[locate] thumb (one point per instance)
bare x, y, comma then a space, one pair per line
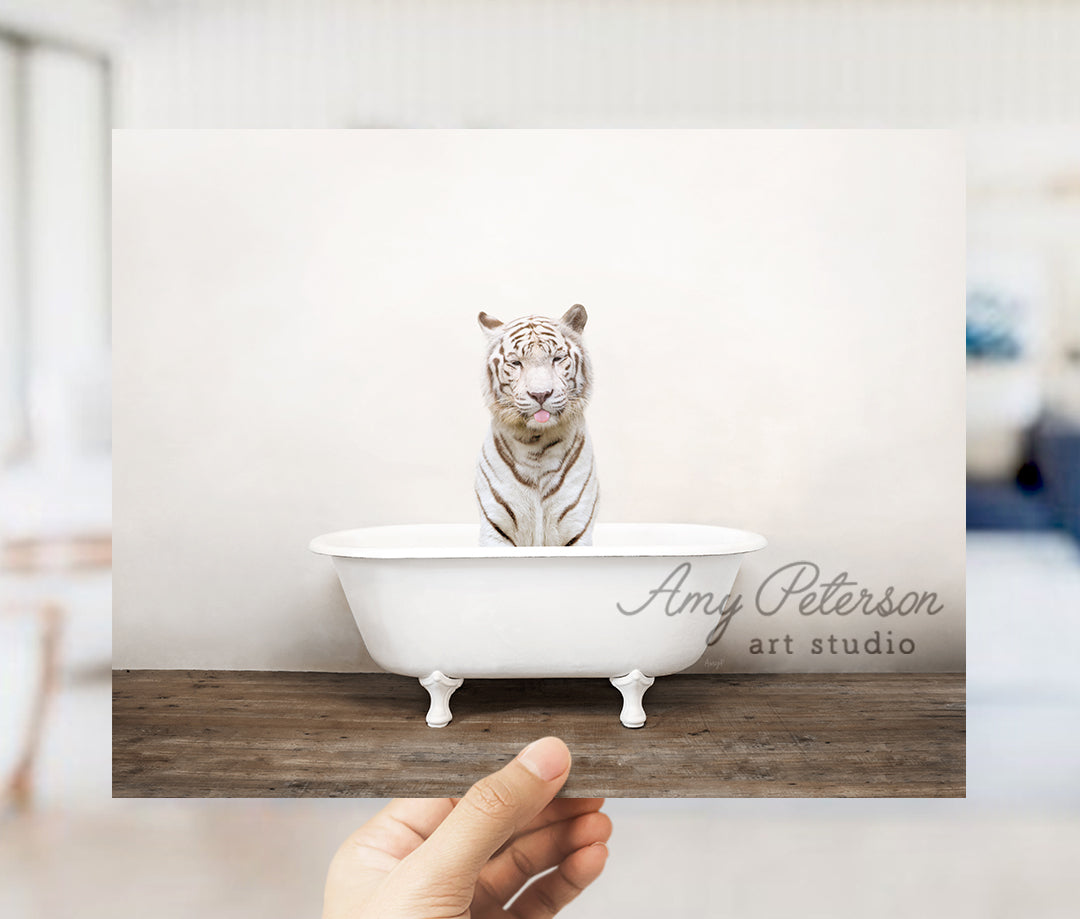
492, 811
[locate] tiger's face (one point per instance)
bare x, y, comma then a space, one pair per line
537, 369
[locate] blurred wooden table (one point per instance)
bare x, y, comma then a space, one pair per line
280, 734
36, 560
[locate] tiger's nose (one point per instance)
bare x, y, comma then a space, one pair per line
540, 396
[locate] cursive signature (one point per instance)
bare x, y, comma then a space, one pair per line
679, 602
799, 580
831, 597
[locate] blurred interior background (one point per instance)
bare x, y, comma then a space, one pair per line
1023, 458
69, 70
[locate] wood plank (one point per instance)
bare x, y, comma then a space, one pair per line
280, 734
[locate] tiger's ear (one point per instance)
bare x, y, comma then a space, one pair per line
489, 323
575, 318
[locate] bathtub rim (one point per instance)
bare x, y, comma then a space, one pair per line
729, 541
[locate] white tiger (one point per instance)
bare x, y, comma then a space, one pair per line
536, 477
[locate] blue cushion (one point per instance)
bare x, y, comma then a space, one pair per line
1057, 451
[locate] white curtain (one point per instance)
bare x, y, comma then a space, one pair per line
54, 316
11, 422
66, 194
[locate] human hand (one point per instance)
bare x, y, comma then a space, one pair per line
437, 858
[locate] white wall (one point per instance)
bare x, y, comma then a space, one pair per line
593, 63
775, 322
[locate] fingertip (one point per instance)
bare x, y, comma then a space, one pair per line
605, 827
547, 758
594, 826
586, 864
596, 856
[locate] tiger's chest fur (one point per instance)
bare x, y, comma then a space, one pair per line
536, 478
537, 489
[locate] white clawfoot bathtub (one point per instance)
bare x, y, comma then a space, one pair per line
641, 602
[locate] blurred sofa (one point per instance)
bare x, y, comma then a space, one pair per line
1045, 491
1056, 453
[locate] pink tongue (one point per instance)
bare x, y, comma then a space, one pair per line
541, 416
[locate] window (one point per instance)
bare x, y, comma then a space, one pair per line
54, 285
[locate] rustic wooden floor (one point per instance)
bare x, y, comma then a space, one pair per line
246, 734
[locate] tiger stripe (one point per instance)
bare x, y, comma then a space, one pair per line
575, 453
494, 525
506, 455
495, 494
583, 530
577, 500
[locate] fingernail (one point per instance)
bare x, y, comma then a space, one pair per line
546, 758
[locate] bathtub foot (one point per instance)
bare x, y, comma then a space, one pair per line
440, 687
632, 686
